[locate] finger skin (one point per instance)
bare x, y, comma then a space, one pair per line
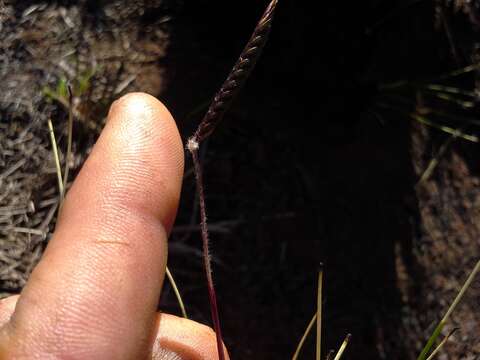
175, 338
95, 292
7, 306
186, 338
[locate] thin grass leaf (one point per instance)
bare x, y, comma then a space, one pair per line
441, 324
445, 339
456, 118
446, 129
462, 103
304, 337
55, 156
319, 312
460, 71
330, 355
343, 347
436, 159
402, 83
450, 90
83, 81
69, 143
409, 102
177, 293
61, 89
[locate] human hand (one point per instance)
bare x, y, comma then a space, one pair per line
95, 292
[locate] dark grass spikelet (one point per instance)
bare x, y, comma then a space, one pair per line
237, 77
219, 106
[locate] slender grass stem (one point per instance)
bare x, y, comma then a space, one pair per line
462, 103
304, 337
56, 157
319, 313
443, 114
220, 104
192, 146
403, 83
444, 340
423, 120
441, 324
456, 118
446, 129
435, 160
330, 355
461, 71
342, 347
177, 293
69, 142
450, 90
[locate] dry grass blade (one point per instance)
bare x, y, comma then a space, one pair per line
460, 71
304, 337
446, 129
239, 74
437, 349
219, 106
435, 160
450, 90
330, 355
69, 141
342, 347
15, 167
449, 75
55, 156
319, 312
177, 293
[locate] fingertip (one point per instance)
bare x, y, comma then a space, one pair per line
139, 112
140, 147
132, 103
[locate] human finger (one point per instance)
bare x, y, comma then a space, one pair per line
95, 291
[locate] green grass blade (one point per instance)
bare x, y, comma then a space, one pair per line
446, 129
462, 103
431, 341
441, 324
460, 71
435, 160
450, 89
437, 349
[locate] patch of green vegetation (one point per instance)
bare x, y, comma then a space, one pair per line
80, 85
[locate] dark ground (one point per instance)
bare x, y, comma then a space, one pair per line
316, 161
